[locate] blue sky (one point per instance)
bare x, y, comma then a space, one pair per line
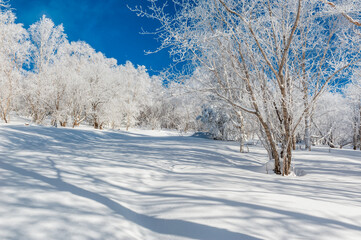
107, 25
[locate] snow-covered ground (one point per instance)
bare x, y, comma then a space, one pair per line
58, 183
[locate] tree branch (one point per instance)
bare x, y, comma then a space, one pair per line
348, 17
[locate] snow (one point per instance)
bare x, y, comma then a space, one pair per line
62, 183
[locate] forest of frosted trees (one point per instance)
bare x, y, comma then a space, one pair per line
288, 77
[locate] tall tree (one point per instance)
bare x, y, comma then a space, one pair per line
135, 86
14, 53
47, 39
253, 51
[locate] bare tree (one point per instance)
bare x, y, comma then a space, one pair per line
270, 59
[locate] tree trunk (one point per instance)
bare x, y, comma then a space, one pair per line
241, 144
243, 135
289, 156
307, 132
287, 137
355, 135
96, 125
54, 122
272, 145
4, 117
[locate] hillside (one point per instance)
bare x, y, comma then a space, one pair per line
60, 183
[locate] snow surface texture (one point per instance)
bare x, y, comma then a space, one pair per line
87, 184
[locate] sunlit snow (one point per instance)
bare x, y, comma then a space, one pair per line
62, 183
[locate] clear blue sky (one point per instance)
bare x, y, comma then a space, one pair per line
107, 25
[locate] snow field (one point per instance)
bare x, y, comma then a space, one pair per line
60, 183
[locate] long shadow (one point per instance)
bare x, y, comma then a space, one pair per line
67, 139
91, 139
315, 219
164, 226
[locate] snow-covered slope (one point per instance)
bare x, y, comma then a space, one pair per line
87, 184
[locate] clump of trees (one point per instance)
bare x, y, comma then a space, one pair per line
53, 81
44, 76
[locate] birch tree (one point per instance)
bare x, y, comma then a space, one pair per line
261, 55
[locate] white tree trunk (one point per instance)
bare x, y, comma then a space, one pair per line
307, 132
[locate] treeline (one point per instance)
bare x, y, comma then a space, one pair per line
52, 80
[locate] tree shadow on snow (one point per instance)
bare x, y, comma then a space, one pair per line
122, 149
164, 226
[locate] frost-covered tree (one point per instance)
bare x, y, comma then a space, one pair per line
220, 122
262, 55
353, 93
14, 53
184, 106
76, 64
171, 105
153, 110
63, 78
39, 86
98, 76
133, 94
332, 121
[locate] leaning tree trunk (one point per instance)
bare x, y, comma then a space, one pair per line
272, 145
